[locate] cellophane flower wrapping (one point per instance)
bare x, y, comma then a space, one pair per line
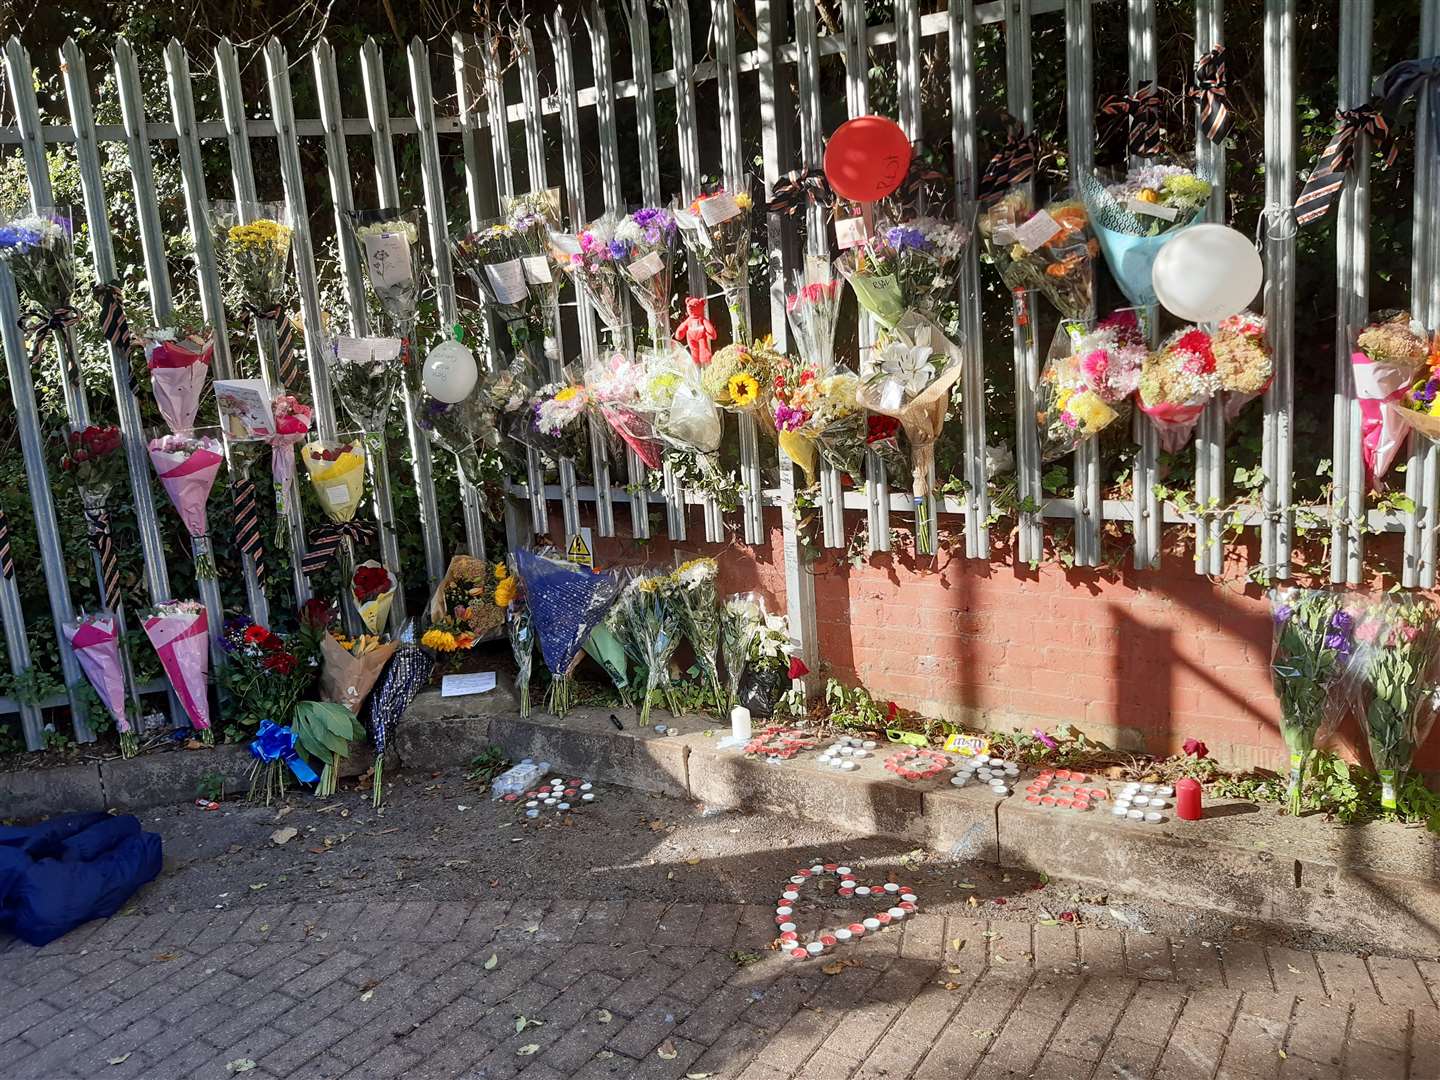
715, 229
372, 591
522, 646
649, 623
1243, 359
1087, 377
741, 620
95, 640
1419, 408
595, 257
94, 461
1396, 682
388, 238
812, 307
1310, 656
738, 376
699, 601
686, 420
178, 354
906, 266
1052, 250
1176, 383
252, 242
648, 236
469, 604
910, 379
350, 671
337, 474
186, 466
409, 672
817, 415
613, 386
365, 374
494, 258
1135, 215
179, 632
566, 603
560, 409
466, 429
293, 420
37, 248
536, 216
1386, 358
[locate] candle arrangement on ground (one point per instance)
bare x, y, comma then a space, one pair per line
846, 753
995, 771
893, 902
916, 763
558, 794
777, 742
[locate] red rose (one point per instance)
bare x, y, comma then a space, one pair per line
370, 581
879, 428
1197, 748
272, 642
798, 670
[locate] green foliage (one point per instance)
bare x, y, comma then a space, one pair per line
210, 786
852, 708
488, 764
1346, 792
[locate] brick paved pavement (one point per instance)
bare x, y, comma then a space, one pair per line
379, 989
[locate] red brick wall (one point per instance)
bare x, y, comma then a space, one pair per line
1140, 660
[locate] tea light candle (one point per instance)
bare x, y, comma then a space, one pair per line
532, 813
843, 934
784, 909
871, 924
960, 779
1120, 810
589, 796
896, 913
869, 744
1135, 815
586, 786
1165, 790
814, 948
799, 953
1154, 816
740, 726
857, 929
844, 871
563, 806
849, 766
1149, 789
909, 897
999, 789
787, 927
798, 879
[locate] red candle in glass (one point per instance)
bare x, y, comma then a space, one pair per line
1187, 800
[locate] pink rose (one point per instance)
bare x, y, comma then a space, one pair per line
1367, 631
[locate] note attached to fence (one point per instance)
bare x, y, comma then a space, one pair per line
719, 208
646, 267
537, 269
1037, 231
507, 281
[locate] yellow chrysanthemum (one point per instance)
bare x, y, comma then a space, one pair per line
1091, 411
262, 233
743, 200
505, 592
743, 389
439, 640
501, 571
567, 393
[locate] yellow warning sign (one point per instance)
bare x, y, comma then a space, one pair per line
579, 550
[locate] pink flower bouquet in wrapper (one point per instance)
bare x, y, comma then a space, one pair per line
1242, 357
95, 640
1088, 375
1387, 356
179, 631
292, 427
614, 391
187, 466
1177, 382
178, 356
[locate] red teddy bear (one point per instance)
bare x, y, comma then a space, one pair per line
696, 331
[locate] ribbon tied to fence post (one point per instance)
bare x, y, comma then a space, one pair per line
102, 542
289, 371
325, 542
247, 521
799, 187
7, 557
1144, 109
1013, 163
41, 324
1211, 88
114, 326
1327, 176
1406, 80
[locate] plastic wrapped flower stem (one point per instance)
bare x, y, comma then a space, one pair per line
522, 646
648, 236
699, 602
715, 229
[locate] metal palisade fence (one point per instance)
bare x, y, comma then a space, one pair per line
739, 107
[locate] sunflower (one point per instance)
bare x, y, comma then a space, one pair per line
439, 640
501, 571
743, 389
505, 592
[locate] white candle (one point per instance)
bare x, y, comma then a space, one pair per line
740, 724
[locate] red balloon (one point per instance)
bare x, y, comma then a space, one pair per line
867, 158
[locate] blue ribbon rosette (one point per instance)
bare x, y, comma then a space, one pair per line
274, 742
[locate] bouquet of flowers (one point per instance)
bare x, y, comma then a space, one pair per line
1051, 250
364, 375
812, 308
372, 590
179, 632
566, 603
178, 355
1134, 216
1419, 408
535, 217
493, 258
389, 243
741, 620
465, 428
522, 643
275, 749
1085, 381
1314, 639
410, 669
253, 245
685, 419
647, 619
648, 238
350, 669
613, 389
911, 380
1398, 683
699, 604
738, 374
560, 407
95, 640
267, 674
904, 267
1385, 359
186, 466
820, 414
337, 474
469, 604
38, 251
1242, 357
94, 461
594, 260
770, 665
1176, 383
716, 232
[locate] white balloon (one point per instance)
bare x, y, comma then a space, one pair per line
450, 372
1207, 273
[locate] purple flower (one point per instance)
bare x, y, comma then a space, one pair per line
901, 237
1342, 621
1044, 738
1341, 643
616, 249
1283, 613
788, 418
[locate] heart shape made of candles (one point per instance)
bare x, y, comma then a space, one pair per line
897, 902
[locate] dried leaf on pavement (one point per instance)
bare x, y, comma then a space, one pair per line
667, 1050
285, 835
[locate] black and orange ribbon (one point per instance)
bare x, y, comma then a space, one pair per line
114, 326
1144, 110
41, 324
1327, 176
1409, 79
918, 179
1012, 164
7, 557
1210, 88
798, 189
97, 531
325, 542
286, 361
247, 522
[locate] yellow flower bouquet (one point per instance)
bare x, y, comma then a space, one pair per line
337, 473
372, 590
